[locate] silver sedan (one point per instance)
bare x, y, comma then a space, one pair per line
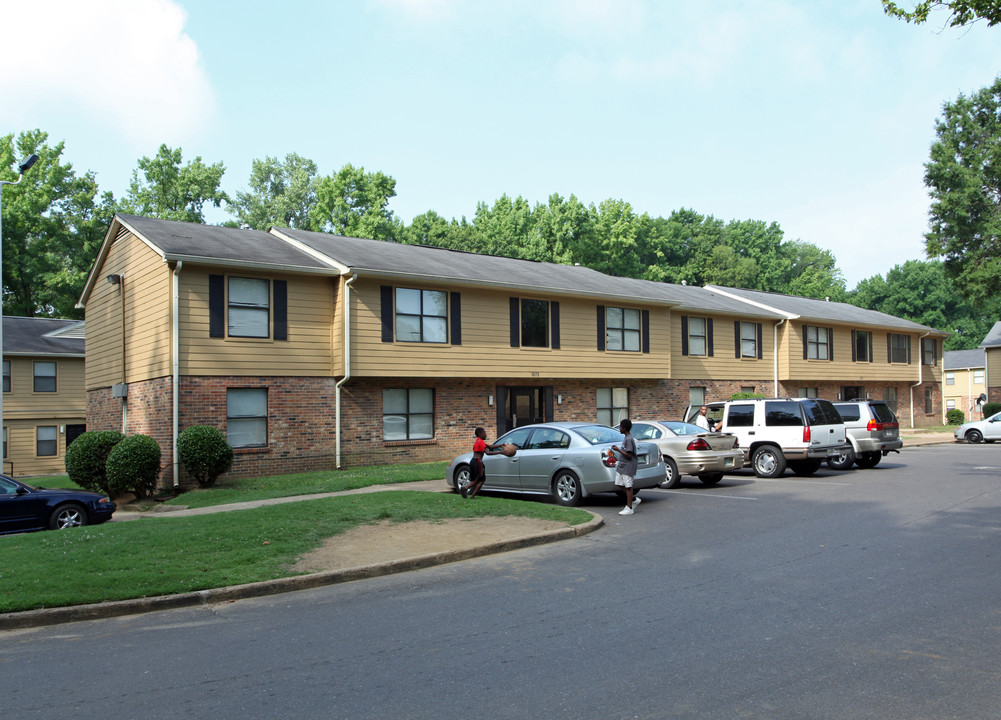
691, 450
567, 461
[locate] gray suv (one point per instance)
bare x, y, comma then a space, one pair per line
872, 430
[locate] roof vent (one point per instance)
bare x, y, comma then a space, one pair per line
684, 282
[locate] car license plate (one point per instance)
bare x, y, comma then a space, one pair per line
727, 462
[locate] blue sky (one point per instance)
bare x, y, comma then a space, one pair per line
815, 114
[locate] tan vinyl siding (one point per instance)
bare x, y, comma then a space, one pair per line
307, 352
23, 401
486, 349
842, 367
22, 447
993, 367
722, 365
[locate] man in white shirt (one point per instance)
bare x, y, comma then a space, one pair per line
702, 421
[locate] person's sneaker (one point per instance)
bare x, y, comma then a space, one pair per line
464, 489
626, 511
636, 501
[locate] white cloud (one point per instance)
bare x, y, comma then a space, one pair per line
127, 64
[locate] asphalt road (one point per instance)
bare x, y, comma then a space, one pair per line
868, 594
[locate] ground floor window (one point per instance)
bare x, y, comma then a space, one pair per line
46, 440
697, 396
613, 405
950, 404
408, 414
808, 392
247, 417
929, 400
747, 389
890, 396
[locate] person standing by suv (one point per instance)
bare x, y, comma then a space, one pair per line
625, 468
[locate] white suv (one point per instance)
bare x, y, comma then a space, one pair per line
775, 433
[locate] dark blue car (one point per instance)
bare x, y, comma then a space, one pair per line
24, 508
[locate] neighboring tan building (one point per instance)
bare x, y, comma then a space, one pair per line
965, 381
44, 400
992, 361
311, 350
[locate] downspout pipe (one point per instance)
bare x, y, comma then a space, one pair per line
775, 352
920, 372
347, 365
175, 370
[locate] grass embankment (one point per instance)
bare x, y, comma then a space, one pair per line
166, 555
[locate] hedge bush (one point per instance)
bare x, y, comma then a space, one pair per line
746, 396
954, 417
204, 453
86, 458
134, 466
991, 408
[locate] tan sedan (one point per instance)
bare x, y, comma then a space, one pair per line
690, 450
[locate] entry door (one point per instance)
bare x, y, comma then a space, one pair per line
518, 406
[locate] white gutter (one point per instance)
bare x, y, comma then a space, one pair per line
775, 352
175, 370
347, 365
921, 362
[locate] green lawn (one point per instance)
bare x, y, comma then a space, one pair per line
165, 555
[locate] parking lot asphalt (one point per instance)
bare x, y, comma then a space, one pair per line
394, 556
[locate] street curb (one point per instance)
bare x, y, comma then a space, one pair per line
95, 611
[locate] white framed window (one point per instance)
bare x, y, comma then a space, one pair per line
421, 315
748, 340
950, 378
929, 400
247, 417
46, 440
950, 404
861, 346
613, 405
697, 396
900, 348
978, 377
890, 396
407, 414
622, 329
534, 323
45, 377
697, 336
249, 307
929, 351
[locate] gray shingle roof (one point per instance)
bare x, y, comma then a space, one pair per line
961, 359
993, 338
40, 336
825, 311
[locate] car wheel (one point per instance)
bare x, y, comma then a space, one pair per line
461, 476
974, 436
711, 478
672, 477
805, 467
66, 516
868, 460
844, 461
768, 461
566, 489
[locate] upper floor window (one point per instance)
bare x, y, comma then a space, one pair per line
929, 351
817, 343
6, 376
898, 348
535, 323
408, 414
696, 336
242, 307
861, 346
950, 378
421, 316
622, 329
747, 339
978, 377
247, 417
45, 377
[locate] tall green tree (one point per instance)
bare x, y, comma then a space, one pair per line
356, 203
961, 12
53, 225
963, 176
282, 194
163, 188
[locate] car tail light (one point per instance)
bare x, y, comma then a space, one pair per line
806, 434
874, 426
699, 444
609, 459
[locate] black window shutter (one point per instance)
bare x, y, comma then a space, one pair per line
760, 338
806, 332
709, 337
684, 334
830, 344
217, 306
455, 317
645, 321
870, 346
515, 322
854, 350
554, 325
387, 313
736, 338
908, 349
889, 347
601, 327
281, 309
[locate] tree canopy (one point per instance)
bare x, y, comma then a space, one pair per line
281, 194
963, 176
961, 12
162, 188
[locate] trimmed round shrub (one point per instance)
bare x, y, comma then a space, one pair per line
86, 458
954, 417
991, 408
134, 466
204, 453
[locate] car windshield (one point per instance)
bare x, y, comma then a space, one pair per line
599, 434
681, 428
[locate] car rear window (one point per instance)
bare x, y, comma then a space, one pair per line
883, 413
821, 412
783, 413
599, 434
848, 413
739, 416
